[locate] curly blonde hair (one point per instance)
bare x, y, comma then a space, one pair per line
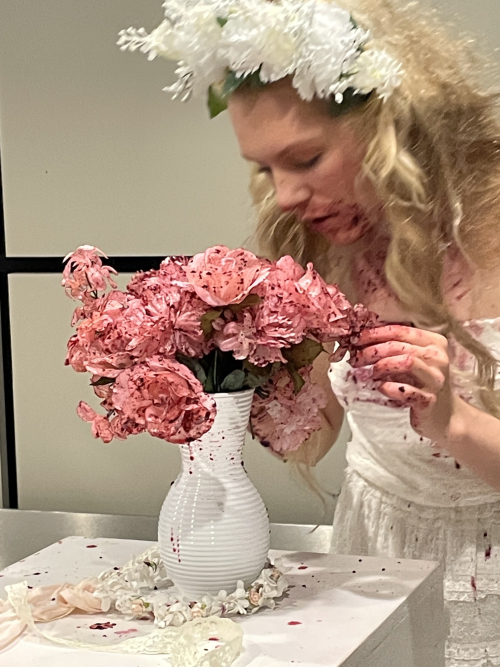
434, 159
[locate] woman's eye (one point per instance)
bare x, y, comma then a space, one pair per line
309, 164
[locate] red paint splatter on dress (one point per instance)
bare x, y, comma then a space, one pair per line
92, 546
302, 567
294, 623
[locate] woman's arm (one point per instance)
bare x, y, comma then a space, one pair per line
320, 443
413, 369
473, 439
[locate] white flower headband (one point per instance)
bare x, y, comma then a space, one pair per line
220, 44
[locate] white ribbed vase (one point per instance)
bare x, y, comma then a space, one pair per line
214, 527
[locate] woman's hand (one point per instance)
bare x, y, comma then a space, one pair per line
412, 367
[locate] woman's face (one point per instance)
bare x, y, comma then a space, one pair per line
313, 160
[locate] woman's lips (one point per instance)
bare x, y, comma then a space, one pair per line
343, 228
323, 223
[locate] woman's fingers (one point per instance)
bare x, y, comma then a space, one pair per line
411, 370
403, 334
408, 396
373, 353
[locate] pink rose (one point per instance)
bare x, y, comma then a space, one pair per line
222, 277
255, 596
163, 395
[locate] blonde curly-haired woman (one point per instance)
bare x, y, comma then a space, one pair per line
399, 202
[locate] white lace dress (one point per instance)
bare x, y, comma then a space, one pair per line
403, 498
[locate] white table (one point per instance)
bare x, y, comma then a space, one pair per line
343, 611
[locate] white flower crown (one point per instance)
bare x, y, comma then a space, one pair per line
220, 44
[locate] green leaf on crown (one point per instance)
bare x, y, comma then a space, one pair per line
216, 103
222, 21
351, 100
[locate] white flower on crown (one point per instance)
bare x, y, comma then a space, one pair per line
263, 39
330, 49
376, 70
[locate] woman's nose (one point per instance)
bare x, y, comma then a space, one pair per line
291, 193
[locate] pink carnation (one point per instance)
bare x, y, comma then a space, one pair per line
101, 427
280, 317
284, 420
172, 303
115, 333
222, 277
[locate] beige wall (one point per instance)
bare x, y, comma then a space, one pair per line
94, 152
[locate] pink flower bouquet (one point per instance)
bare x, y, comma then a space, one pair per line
221, 321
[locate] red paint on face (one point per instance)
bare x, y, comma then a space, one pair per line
314, 161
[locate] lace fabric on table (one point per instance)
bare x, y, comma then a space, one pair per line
184, 645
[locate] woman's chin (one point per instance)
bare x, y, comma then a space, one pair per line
344, 237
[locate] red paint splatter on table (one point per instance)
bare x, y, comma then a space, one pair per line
103, 626
92, 546
122, 633
213, 639
294, 623
302, 567
487, 553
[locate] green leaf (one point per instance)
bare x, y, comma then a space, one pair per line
222, 21
234, 381
254, 381
249, 301
194, 366
304, 353
298, 380
102, 381
231, 83
216, 103
207, 321
268, 370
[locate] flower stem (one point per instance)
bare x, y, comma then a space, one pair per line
216, 379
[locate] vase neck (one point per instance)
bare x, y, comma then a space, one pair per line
223, 444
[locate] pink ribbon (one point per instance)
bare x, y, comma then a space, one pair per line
49, 603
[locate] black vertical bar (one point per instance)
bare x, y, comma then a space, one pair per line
7, 430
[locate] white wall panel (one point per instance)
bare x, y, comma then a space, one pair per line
93, 151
